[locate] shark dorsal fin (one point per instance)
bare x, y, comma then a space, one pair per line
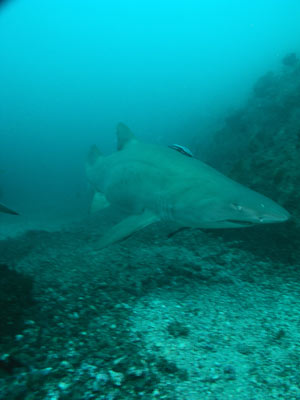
124, 135
93, 155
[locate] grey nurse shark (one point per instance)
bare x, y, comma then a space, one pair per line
153, 183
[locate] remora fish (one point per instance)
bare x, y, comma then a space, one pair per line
153, 183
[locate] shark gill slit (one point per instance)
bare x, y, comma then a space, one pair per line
165, 210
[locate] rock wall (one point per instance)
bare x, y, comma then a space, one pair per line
259, 144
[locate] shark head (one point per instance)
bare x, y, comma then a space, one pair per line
231, 208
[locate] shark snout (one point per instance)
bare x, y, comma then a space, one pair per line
266, 213
275, 217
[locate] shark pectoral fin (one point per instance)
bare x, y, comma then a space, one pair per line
99, 202
7, 210
126, 228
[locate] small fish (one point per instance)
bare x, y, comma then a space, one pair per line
7, 210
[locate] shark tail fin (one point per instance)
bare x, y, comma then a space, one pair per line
124, 135
93, 155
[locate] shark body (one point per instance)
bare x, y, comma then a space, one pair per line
153, 183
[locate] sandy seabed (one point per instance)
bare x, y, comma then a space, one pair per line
199, 315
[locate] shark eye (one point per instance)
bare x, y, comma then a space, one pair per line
237, 207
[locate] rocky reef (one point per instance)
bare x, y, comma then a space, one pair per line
15, 299
259, 144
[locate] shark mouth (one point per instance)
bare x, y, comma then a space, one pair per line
241, 223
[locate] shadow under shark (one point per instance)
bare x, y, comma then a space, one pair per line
153, 183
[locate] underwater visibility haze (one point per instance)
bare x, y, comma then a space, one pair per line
131, 134
70, 71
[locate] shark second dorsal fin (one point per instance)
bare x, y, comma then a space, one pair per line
124, 135
99, 202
